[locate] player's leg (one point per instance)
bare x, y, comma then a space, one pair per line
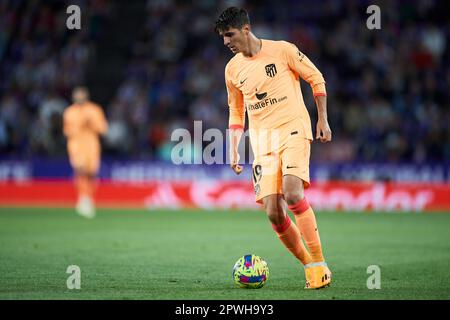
85, 166
84, 184
286, 231
304, 215
90, 173
267, 184
295, 164
81, 185
317, 272
295, 167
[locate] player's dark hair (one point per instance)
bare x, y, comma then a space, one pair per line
232, 18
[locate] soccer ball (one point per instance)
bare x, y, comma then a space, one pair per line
251, 271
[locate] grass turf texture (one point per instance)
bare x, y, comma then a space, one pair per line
189, 254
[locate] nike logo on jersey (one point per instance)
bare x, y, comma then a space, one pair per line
291, 167
242, 81
261, 96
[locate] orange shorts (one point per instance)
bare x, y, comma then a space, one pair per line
269, 169
84, 159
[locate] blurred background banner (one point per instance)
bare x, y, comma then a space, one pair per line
156, 66
228, 194
144, 171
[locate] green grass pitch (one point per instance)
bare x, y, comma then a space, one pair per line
189, 254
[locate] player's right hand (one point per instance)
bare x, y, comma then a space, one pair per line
236, 168
234, 161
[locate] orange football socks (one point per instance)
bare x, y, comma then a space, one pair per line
306, 222
85, 186
290, 236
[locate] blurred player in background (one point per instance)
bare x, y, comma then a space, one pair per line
262, 79
84, 122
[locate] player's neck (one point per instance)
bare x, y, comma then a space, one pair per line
254, 46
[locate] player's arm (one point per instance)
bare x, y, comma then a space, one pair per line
103, 123
67, 127
236, 121
323, 130
100, 124
301, 65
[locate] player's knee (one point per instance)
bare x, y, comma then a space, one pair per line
275, 213
276, 217
293, 197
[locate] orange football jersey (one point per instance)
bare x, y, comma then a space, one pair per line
82, 127
267, 87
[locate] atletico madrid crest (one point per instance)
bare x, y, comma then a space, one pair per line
271, 70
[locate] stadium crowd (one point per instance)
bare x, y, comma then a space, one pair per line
388, 89
41, 61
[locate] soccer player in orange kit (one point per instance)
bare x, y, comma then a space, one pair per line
262, 79
84, 122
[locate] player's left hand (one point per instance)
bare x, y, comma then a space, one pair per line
323, 131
